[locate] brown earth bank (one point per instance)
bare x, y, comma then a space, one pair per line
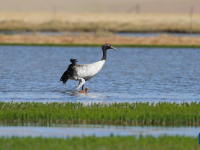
93, 39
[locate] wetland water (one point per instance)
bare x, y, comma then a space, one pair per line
97, 130
32, 73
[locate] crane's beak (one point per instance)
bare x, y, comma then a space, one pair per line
113, 48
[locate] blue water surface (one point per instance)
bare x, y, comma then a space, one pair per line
32, 73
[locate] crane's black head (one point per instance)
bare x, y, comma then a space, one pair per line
105, 47
108, 46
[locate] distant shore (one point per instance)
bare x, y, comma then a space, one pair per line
87, 39
93, 22
99, 28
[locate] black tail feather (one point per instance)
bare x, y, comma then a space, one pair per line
69, 72
65, 77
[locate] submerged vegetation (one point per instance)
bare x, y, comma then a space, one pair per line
99, 143
113, 114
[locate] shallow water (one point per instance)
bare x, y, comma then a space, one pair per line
32, 73
97, 130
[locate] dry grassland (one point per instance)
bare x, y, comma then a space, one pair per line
99, 23
121, 22
99, 39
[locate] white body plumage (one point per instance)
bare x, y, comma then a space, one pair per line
87, 71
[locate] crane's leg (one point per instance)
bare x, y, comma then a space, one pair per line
81, 83
83, 87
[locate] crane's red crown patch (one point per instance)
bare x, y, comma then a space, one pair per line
108, 44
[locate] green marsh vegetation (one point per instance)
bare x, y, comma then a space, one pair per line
100, 143
112, 114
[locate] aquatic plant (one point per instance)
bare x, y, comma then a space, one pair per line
116, 114
99, 143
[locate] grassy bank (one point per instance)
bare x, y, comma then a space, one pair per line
101, 143
113, 114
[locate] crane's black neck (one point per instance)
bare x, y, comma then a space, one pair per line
104, 53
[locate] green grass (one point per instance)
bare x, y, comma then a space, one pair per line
101, 143
112, 114
99, 45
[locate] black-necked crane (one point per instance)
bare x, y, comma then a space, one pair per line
84, 72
